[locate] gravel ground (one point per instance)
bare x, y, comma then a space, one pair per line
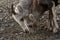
10, 30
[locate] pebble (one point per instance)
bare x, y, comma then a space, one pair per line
1, 19
0, 10
21, 33
6, 25
1, 38
5, 20
12, 24
2, 28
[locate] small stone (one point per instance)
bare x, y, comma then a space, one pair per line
12, 24
54, 30
10, 17
0, 10
6, 24
1, 38
16, 34
5, 17
42, 16
21, 33
2, 28
5, 20
1, 19
59, 6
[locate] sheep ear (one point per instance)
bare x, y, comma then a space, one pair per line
31, 17
18, 9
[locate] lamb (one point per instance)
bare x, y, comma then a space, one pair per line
22, 12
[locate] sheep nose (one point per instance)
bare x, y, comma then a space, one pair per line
26, 31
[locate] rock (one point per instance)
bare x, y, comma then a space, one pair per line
2, 28
1, 38
1, 10
1, 19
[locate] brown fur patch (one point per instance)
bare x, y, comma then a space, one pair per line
34, 4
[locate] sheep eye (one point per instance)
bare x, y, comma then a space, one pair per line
21, 19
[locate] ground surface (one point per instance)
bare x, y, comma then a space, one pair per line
10, 30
